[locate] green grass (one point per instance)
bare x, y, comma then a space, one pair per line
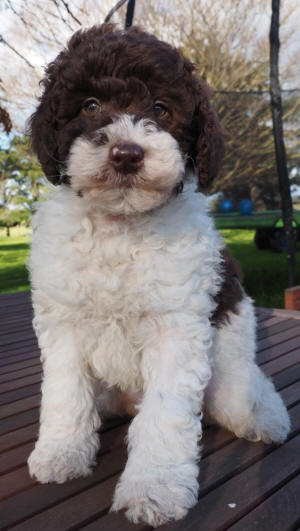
13, 256
264, 271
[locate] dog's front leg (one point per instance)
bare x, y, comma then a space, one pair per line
68, 440
160, 479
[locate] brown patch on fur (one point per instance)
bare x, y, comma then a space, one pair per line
129, 401
231, 292
127, 71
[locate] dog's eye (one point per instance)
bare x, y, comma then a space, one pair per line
91, 106
160, 110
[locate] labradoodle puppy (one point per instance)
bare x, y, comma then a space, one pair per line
138, 305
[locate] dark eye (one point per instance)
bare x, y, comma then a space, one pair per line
160, 110
91, 106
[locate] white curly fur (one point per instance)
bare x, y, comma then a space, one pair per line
125, 302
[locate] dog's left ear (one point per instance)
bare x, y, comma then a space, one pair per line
209, 142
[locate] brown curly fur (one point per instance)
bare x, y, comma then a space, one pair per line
129, 71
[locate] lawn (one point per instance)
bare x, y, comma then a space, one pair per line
13, 255
264, 271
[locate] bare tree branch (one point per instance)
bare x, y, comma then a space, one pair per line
256, 92
113, 10
61, 15
16, 13
15, 51
70, 12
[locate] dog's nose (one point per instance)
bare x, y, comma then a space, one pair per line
126, 158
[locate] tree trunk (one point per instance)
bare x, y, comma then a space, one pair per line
7, 230
284, 185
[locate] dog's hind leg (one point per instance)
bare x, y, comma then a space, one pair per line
239, 396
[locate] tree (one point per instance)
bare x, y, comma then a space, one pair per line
21, 183
230, 47
10, 218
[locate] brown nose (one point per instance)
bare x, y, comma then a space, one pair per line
126, 158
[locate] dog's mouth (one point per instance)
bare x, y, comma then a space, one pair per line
108, 177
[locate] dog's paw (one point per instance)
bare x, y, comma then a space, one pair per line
269, 421
152, 501
58, 461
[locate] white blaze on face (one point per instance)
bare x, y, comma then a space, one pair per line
92, 175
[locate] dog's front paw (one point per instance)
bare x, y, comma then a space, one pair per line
153, 501
59, 461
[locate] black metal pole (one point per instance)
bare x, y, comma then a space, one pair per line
276, 106
129, 13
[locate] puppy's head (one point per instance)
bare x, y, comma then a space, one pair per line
121, 118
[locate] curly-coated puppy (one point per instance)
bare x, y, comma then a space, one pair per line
133, 291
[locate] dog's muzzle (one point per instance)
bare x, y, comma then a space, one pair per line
126, 158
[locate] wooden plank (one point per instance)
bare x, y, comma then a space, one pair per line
23, 295
285, 314
281, 337
214, 438
281, 363
62, 513
33, 500
15, 482
15, 438
269, 322
279, 512
19, 421
114, 522
237, 456
278, 350
7, 339
17, 457
291, 394
9, 308
14, 299
245, 491
74, 511
20, 436
224, 455
19, 365
12, 319
16, 326
31, 354
17, 395
13, 408
13, 385
14, 459
16, 375
287, 377
270, 330
17, 347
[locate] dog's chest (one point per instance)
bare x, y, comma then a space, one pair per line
113, 270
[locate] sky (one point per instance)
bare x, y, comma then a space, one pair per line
24, 82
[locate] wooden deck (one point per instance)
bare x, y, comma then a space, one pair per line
244, 486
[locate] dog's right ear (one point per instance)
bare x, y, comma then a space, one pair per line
41, 129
